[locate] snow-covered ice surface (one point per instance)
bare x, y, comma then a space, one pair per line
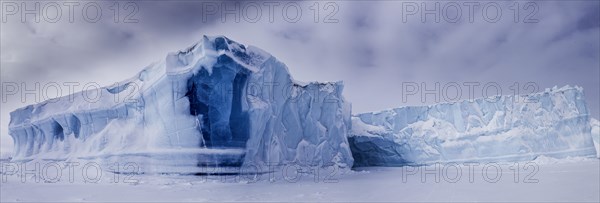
544, 180
554, 123
217, 102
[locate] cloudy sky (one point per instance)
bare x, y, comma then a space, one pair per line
374, 47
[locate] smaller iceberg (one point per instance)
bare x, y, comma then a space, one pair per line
553, 123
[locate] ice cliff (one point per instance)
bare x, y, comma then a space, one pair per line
220, 103
217, 102
553, 123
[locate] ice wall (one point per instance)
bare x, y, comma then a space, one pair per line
217, 102
553, 123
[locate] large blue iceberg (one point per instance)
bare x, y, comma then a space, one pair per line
216, 103
221, 104
554, 123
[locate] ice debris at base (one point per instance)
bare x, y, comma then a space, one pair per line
215, 103
553, 123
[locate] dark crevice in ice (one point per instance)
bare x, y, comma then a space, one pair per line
74, 124
239, 120
197, 94
57, 130
216, 100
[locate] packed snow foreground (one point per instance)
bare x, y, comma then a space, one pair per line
220, 103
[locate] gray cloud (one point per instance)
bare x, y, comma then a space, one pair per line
370, 48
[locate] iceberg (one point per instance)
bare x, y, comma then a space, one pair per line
216, 103
222, 104
554, 123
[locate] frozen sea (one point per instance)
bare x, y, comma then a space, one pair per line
545, 179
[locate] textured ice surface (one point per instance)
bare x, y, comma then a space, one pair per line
217, 102
553, 123
596, 135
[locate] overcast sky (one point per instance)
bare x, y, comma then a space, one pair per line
374, 47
